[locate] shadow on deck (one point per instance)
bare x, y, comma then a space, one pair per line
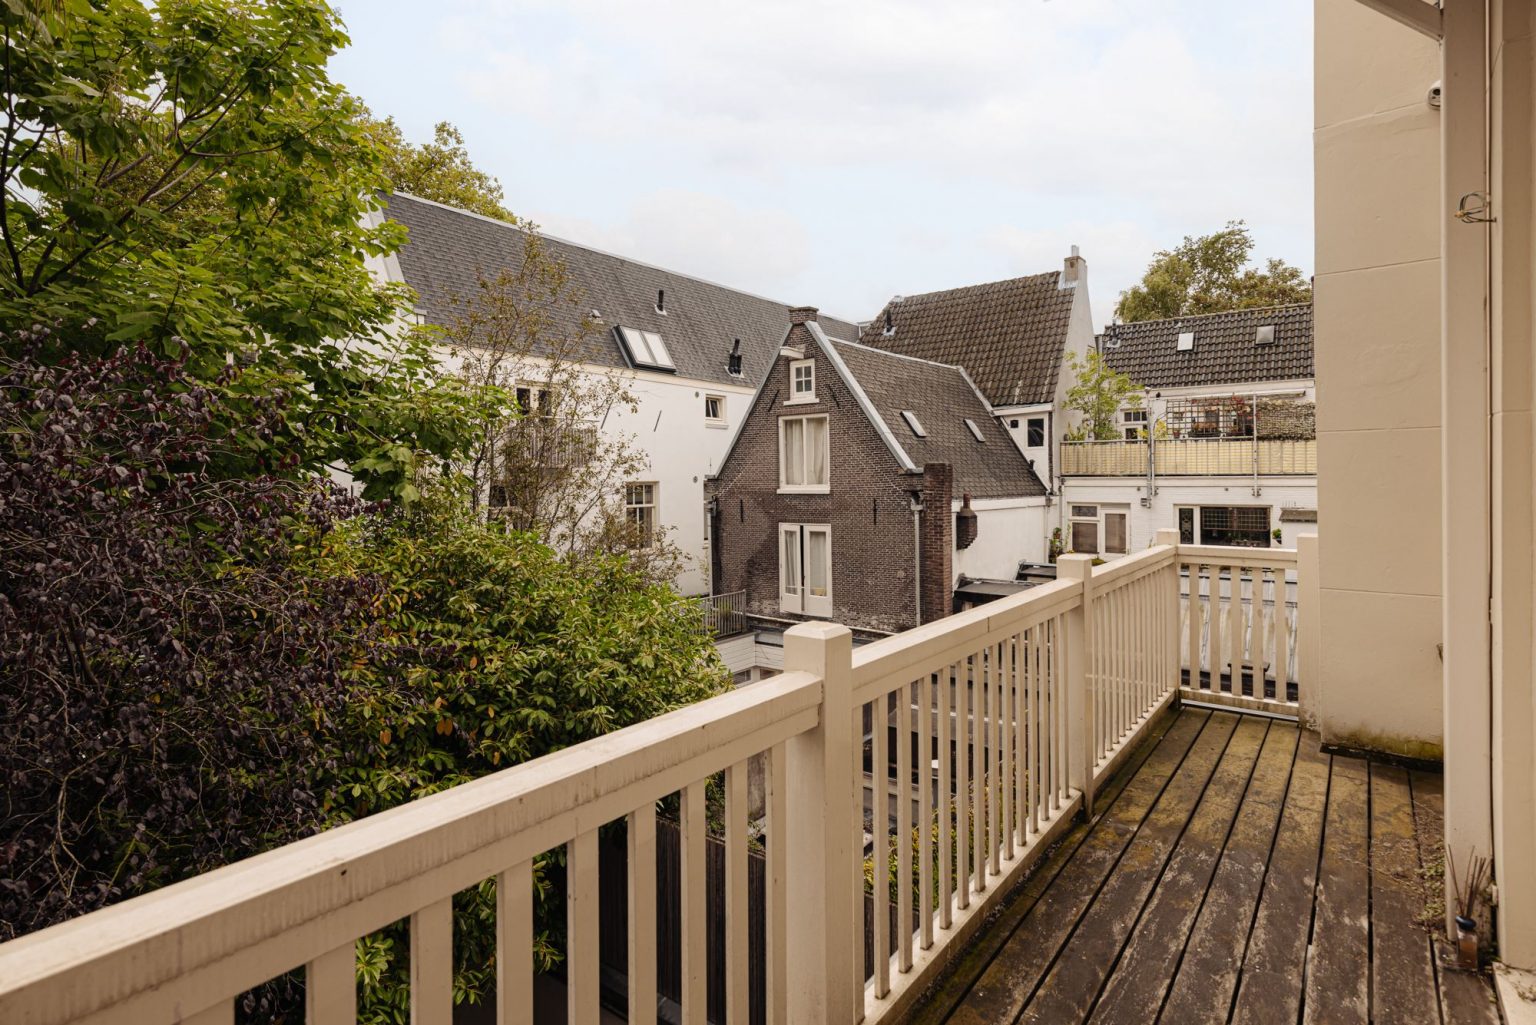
1232, 872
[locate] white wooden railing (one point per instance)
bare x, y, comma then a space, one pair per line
1024, 705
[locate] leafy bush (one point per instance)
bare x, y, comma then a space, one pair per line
170, 677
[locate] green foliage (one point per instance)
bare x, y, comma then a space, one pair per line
188, 171
1208, 274
1098, 393
440, 170
496, 650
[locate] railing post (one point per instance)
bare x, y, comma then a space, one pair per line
1309, 620
1081, 727
1170, 536
825, 955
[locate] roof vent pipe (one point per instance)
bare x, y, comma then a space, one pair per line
733, 362
890, 328
661, 300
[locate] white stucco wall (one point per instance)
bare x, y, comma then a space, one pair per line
1127, 492
1008, 531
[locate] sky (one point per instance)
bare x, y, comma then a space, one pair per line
837, 153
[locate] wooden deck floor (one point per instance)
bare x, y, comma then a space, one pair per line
1232, 872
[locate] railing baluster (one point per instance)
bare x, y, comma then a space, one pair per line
432, 964
1217, 618
642, 912
694, 909
946, 811
1282, 639
514, 944
962, 786
1235, 629
737, 956
583, 976
776, 887
1008, 705
979, 775
1036, 733
925, 852
997, 785
880, 826
330, 987
904, 828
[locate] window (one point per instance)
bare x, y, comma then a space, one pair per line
1115, 533
802, 380
803, 454
805, 568
640, 510
1085, 529
913, 423
1265, 335
645, 349
1186, 341
1243, 525
1186, 525
714, 410
1036, 431
975, 431
1134, 422
533, 399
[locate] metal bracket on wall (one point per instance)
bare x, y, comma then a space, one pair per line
1475, 208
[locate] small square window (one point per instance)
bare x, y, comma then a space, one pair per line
913, 423
714, 408
802, 380
975, 431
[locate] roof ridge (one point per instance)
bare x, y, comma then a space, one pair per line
1202, 316
978, 285
600, 252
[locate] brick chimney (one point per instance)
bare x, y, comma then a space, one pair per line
1073, 269
937, 550
802, 314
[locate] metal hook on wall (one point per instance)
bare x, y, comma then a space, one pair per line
1475, 208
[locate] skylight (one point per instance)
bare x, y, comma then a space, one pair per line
975, 431
1265, 335
914, 423
645, 349
1186, 341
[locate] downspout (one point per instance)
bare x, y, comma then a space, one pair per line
917, 554
1253, 429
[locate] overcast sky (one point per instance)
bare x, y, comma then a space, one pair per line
838, 152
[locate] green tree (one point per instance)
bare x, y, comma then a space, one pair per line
440, 170
1098, 393
1208, 274
187, 171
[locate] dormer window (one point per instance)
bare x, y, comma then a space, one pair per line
645, 349
975, 431
802, 380
1186, 341
914, 424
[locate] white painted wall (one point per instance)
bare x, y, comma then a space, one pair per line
1277, 493
1008, 531
1039, 455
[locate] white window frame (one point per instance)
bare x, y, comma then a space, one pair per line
719, 419
1125, 534
654, 505
1134, 421
794, 591
1074, 517
785, 487
797, 395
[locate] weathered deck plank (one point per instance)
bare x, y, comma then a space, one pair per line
1270, 980
1402, 973
1206, 919
1198, 808
1338, 967
1004, 989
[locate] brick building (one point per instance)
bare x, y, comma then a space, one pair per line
862, 484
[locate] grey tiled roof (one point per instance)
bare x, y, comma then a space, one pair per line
1224, 352
942, 397
1008, 335
449, 250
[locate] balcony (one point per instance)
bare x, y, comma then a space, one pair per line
984, 740
1191, 457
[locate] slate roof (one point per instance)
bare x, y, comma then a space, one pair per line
942, 397
1008, 335
1224, 352
448, 251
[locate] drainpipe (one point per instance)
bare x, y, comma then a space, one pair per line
1253, 429
917, 553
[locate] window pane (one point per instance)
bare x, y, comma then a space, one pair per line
1114, 533
1186, 526
791, 561
1086, 511
817, 563
794, 452
1085, 538
816, 455
1036, 433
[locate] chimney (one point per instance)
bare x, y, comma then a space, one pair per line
936, 548
1073, 269
802, 314
965, 523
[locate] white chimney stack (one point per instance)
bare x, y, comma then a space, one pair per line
1073, 269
